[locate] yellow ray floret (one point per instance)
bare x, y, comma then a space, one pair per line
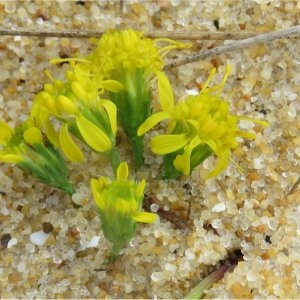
68, 146
92, 134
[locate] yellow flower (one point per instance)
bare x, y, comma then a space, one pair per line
132, 60
77, 107
198, 126
119, 204
25, 147
130, 50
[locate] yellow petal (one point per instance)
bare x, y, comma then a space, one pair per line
96, 190
93, 135
33, 135
112, 85
210, 77
66, 105
144, 217
246, 135
5, 133
221, 165
152, 121
182, 162
100, 184
49, 102
111, 111
166, 97
79, 90
68, 146
140, 188
11, 158
257, 121
163, 144
212, 144
122, 172
38, 113
122, 206
49, 88
51, 133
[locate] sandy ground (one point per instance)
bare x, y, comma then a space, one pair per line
257, 218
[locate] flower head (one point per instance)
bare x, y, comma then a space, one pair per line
198, 126
132, 60
130, 50
77, 108
25, 146
119, 203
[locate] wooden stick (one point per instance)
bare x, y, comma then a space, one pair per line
78, 33
262, 38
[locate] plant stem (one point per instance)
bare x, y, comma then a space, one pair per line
198, 290
114, 158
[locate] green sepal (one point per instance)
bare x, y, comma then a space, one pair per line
199, 154
169, 171
119, 231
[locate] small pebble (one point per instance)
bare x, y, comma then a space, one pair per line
47, 227
12, 242
5, 238
219, 207
93, 242
39, 238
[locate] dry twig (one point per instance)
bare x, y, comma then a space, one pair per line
79, 33
261, 38
248, 39
165, 214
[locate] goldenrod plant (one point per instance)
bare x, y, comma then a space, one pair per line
198, 126
119, 203
113, 83
26, 147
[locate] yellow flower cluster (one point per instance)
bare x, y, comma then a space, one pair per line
198, 126
109, 84
132, 60
113, 79
76, 105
